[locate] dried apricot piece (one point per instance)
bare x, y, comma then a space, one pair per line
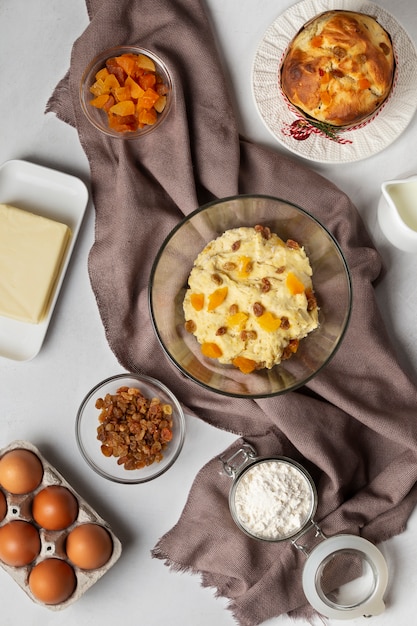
267, 321
145, 63
294, 284
217, 298
126, 107
197, 301
127, 62
245, 365
101, 74
147, 81
147, 99
245, 266
238, 319
147, 116
135, 90
160, 104
211, 350
100, 101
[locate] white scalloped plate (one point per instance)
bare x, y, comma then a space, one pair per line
52, 194
291, 129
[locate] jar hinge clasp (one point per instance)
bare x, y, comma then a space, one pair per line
238, 459
317, 533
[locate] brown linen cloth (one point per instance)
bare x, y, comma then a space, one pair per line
353, 426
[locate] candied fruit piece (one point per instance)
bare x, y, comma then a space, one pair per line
245, 266
135, 90
267, 321
217, 298
147, 99
197, 301
100, 101
124, 108
147, 116
211, 350
147, 81
294, 284
238, 319
102, 74
111, 83
145, 63
127, 62
98, 88
245, 365
160, 104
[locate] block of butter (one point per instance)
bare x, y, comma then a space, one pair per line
32, 248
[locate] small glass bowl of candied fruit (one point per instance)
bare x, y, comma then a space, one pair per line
126, 92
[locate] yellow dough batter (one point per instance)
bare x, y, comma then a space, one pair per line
250, 298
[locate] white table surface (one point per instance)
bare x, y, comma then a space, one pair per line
39, 398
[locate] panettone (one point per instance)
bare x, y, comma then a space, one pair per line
339, 68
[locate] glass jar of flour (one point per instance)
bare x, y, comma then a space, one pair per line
275, 499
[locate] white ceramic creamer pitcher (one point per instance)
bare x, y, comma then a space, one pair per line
397, 213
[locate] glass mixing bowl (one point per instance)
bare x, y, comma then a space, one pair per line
172, 266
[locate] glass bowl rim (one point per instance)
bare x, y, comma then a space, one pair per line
100, 58
188, 218
140, 378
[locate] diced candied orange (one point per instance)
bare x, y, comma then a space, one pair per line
147, 116
245, 365
294, 284
267, 321
124, 108
160, 104
238, 319
122, 93
98, 88
127, 62
148, 99
197, 301
216, 298
101, 74
245, 266
364, 83
111, 83
211, 350
317, 41
135, 90
122, 123
145, 63
100, 101
325, 97
147, 81
325, 78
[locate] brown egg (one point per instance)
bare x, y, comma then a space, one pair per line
3, 506
89, 546
52, 581
20, 543
21, 471
55, 508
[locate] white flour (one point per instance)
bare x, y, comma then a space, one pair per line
273, 499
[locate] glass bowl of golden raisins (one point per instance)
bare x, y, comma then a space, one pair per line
130, 428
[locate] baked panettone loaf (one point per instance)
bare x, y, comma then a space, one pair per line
339, 68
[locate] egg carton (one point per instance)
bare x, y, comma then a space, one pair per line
53, 542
